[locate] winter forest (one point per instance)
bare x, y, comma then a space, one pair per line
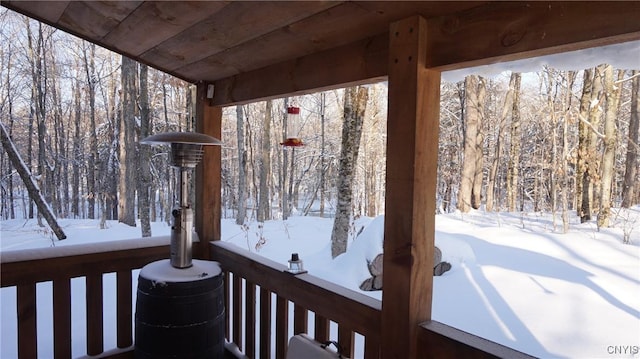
556, 141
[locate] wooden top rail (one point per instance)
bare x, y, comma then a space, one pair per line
354, 310
39, 265
439, 340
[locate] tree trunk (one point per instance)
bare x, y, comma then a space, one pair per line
242, 167
612, 95
264, 205
77, 154
500, 128
144, 160
355, 102
127, 155
582, 177
571, 75
513, 171
323, 110
471, 181
590, 111
32, 187
284, 198
92, 165
631, 166
479, 101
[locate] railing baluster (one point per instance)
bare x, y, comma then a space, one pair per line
123, 309
282, 326
300, 319
227, 299
321, 330
95, 331
265, 324
345, 339
62, 318
237, 311
250, 325
27, 333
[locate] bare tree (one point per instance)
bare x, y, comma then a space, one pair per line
32, 187
633, 146
89, 54
128, 176
612, 95
242, 167
513, 171
264, 205
355, 102
144, 171
590, 112
471, 181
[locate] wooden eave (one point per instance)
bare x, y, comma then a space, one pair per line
256, 50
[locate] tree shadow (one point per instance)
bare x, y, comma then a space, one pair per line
499, 317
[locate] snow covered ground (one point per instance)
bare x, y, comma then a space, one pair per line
515, 280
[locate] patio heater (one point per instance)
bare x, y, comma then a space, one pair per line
180, 301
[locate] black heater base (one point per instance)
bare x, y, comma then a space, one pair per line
180, 312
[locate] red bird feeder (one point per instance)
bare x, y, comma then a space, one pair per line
293, 128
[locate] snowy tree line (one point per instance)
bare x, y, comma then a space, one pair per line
556, 141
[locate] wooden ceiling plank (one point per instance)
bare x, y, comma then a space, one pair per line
233, 25
154, 22
364, 61
331, 28
501, 32
95, 19
49, 11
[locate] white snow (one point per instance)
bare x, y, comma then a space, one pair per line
514, 279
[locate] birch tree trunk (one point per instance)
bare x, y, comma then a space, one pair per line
127, 154
633, 143
355, 102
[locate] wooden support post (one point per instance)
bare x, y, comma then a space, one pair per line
412, 160
208, 211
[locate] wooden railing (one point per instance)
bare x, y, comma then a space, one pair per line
24, 269
259, 297
253, 281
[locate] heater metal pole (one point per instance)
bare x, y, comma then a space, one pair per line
182, 229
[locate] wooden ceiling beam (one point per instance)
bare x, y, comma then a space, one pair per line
507, 31
493, 33
359, 62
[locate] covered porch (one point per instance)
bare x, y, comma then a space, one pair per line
250, 51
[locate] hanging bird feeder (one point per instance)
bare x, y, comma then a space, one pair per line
293, 128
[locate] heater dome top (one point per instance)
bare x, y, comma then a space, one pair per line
193, 138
